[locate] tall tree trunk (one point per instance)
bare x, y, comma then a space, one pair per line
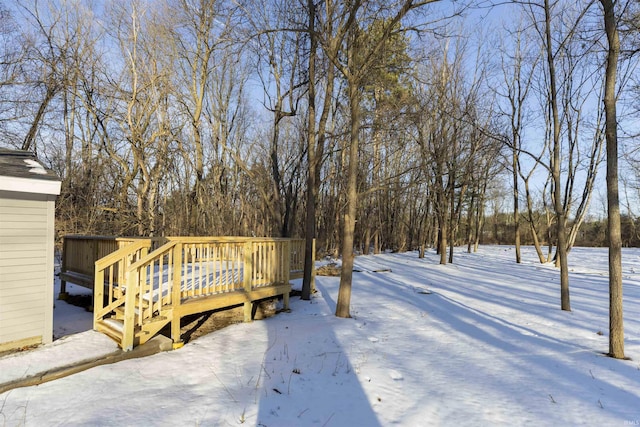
312, 185
532, 225
276, 177
344, 294
616, 328
555, 170
472, 209
452, 213
367, 241
516, 207
479, 217
442, 239
29, 140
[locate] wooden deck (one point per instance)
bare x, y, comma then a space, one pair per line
142, 285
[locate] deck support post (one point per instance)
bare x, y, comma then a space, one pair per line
248, 311
63, 295
285, 300
128, 327
175, 332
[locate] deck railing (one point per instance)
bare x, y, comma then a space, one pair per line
80, 253
209, 266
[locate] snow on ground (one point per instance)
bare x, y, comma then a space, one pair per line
70, 319
69, 350
481, 341
74, 342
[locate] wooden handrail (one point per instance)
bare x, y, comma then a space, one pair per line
152, 255
239, 239
117, 255
84, 237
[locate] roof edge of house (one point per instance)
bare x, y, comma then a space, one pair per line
30, 185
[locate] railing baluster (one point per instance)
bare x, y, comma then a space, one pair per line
191, 263
109, 285
248, 267
170, 271
175, 290
142, 287
208, 273
177, 273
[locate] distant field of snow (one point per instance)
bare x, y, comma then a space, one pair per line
481, 341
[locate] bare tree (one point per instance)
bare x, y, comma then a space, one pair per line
12, 48
315, 147
451, 134
555, 161
199, 31
143, 94
281, 71
518, 70
50, 84
358, 60
564, 90
616, 328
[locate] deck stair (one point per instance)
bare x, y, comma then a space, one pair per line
139, 291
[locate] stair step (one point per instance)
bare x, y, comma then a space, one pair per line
112, 328
119, 315
155, 319
120, 311
114, 324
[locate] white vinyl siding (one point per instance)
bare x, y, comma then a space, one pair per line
26, 266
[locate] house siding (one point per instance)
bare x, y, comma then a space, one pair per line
26, 267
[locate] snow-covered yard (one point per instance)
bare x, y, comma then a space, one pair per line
478, 342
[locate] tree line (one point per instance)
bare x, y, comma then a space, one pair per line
368, 125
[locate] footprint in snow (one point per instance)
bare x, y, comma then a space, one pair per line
395, 375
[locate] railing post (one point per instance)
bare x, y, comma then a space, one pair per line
128, 327
286, 249
247, 275
96, 252
313, 267
98, 294
176, 280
